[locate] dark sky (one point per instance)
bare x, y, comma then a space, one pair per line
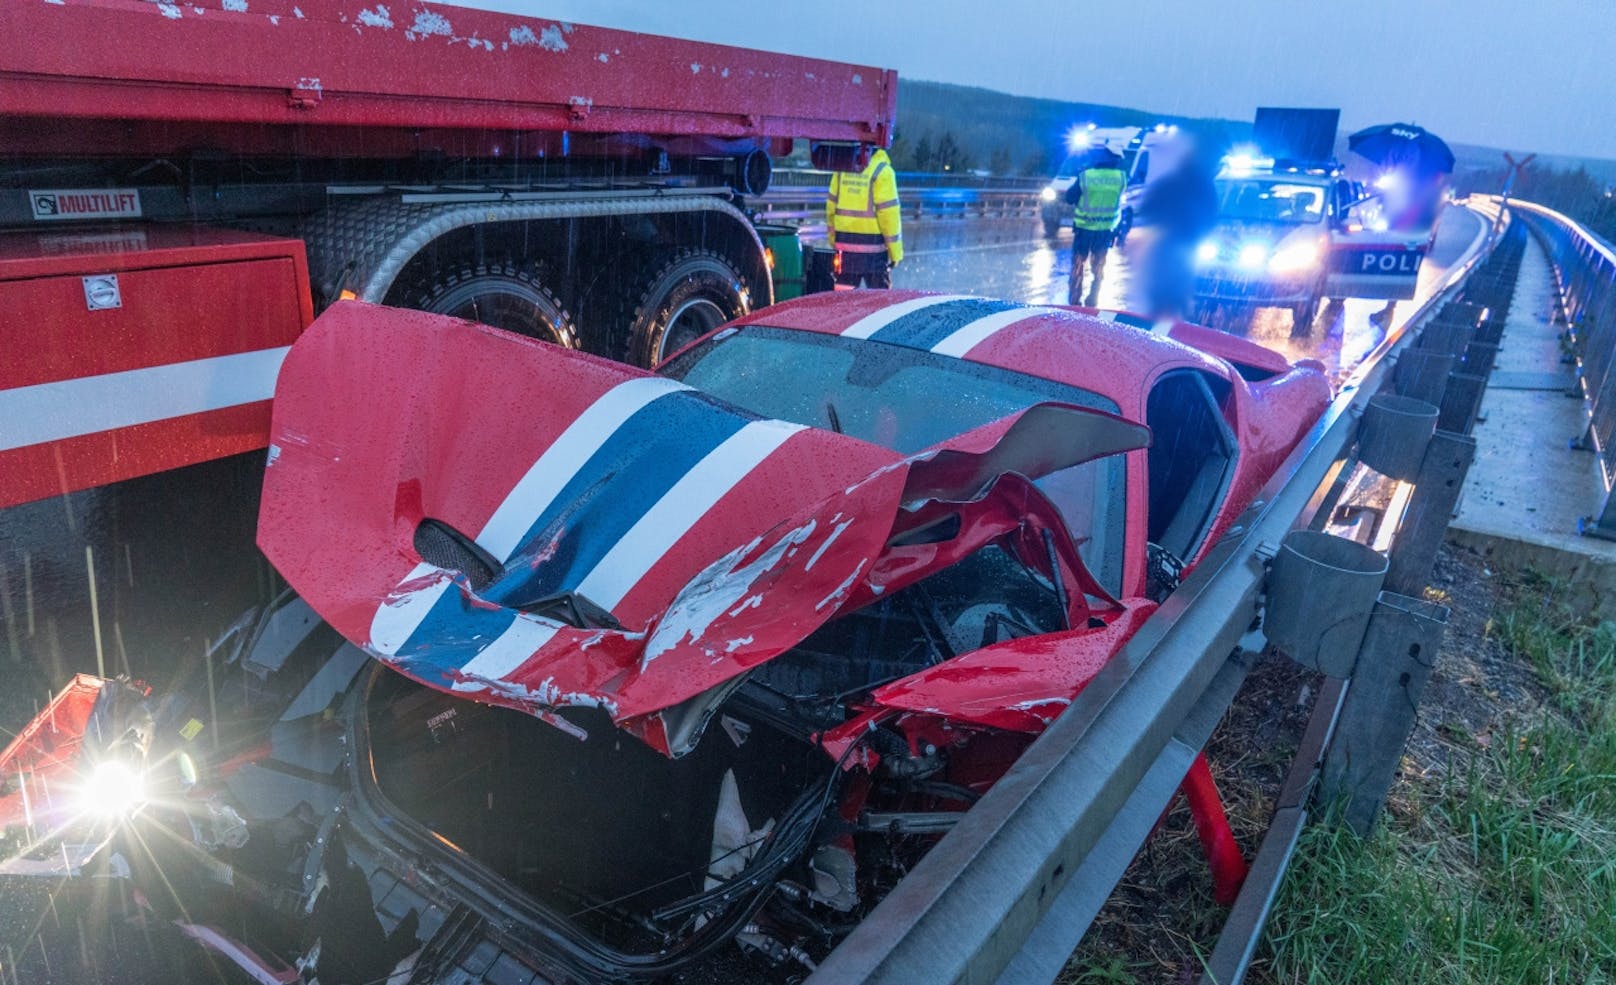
1534, 75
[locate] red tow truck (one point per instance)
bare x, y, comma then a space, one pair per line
185, 185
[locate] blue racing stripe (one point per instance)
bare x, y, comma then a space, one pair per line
634, 468
453, 631
928, 326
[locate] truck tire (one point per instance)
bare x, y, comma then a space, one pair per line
692, 293
501, 293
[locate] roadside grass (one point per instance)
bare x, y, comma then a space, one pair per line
1496, 865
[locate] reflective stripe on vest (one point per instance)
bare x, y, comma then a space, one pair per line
1101, 201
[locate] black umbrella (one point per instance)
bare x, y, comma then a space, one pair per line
1403, 145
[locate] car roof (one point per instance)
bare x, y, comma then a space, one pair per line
1112, 354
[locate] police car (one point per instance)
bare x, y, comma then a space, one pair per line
1135, 145
1291, 235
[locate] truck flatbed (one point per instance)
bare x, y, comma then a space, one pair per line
334, 77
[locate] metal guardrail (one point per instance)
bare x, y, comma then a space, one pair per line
806, 204
1585, 268
1012, 889
809, 177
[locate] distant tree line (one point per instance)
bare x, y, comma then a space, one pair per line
943, 127
944, 152
1576, 192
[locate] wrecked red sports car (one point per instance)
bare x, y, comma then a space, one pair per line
832, 568
899, 530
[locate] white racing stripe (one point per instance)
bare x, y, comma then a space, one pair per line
973, 334
628, 561
30, 415
545, 479
680, 507
400, 614
872, 323
645, 543
511, 649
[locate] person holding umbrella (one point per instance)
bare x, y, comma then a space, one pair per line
1413, 165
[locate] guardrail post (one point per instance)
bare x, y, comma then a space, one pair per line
1460, 402
1422, 374
1383, 699
1436, 493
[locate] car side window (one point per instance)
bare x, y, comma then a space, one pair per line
1191, 459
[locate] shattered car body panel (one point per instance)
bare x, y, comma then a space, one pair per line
1019, 685
634, 544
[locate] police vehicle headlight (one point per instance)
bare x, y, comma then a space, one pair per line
1207, 251
1252, 255
1298, 256
1048, 194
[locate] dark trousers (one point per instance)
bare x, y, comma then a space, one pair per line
865, 270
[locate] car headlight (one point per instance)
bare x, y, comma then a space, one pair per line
1048, 194
114, 790
1298, 256
1206, 252
1252, 255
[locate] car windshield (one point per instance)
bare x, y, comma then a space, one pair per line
1263, 200
889, 395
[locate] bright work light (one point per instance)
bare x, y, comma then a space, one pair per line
114, 790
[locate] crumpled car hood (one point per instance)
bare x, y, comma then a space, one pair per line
647, 542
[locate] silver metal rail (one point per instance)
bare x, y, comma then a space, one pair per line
1585, 268
807, 204
1008, 893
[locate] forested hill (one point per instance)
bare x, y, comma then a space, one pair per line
960, 128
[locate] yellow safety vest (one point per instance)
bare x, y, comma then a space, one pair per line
861, 210
1101, 202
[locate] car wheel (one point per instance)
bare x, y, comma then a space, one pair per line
503, 294
692, 293
1051, 227
1302, 316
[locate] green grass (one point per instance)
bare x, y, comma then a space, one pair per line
1500, 870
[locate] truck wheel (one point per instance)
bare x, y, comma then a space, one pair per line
502, 294
694, 292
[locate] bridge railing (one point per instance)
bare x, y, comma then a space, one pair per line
799, 196
1585, 268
